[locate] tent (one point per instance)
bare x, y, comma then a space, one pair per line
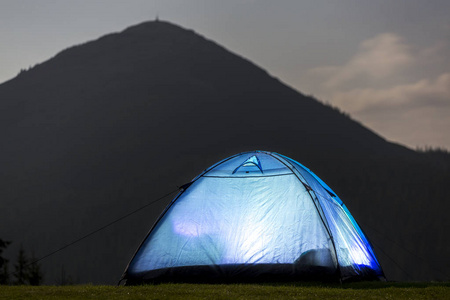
255, 216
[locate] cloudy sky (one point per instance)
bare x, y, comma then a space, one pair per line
384, 62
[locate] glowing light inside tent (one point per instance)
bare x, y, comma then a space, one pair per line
254, 209
358, 256
187, 228
250, 248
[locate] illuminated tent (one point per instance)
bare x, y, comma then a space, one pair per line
254, 216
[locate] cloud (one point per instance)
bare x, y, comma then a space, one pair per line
383, 56
422, 93
395, 88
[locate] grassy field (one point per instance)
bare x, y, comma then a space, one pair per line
372, 290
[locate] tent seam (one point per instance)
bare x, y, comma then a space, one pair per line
325, 222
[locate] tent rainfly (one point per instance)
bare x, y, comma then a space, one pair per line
255, 216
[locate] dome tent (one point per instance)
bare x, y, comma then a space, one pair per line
251, 217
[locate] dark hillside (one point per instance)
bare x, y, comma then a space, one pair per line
105, 127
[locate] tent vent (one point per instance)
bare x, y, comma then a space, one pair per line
252, 161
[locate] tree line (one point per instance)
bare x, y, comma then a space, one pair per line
26, 270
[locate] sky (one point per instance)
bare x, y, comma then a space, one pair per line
384, 62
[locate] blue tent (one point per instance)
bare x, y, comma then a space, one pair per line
251, 217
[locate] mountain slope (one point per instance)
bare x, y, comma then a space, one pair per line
105, 127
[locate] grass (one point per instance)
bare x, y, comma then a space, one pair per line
368, 290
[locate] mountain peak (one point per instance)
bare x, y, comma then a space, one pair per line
153, 30
149, 26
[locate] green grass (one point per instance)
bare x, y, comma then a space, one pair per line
370, 290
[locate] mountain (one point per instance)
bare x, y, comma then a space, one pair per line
108, 126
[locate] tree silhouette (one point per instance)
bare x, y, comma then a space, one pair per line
4, 273
35, 273
21, 268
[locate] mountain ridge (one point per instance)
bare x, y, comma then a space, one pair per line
143, 27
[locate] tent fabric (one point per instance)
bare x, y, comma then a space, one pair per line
255, 216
